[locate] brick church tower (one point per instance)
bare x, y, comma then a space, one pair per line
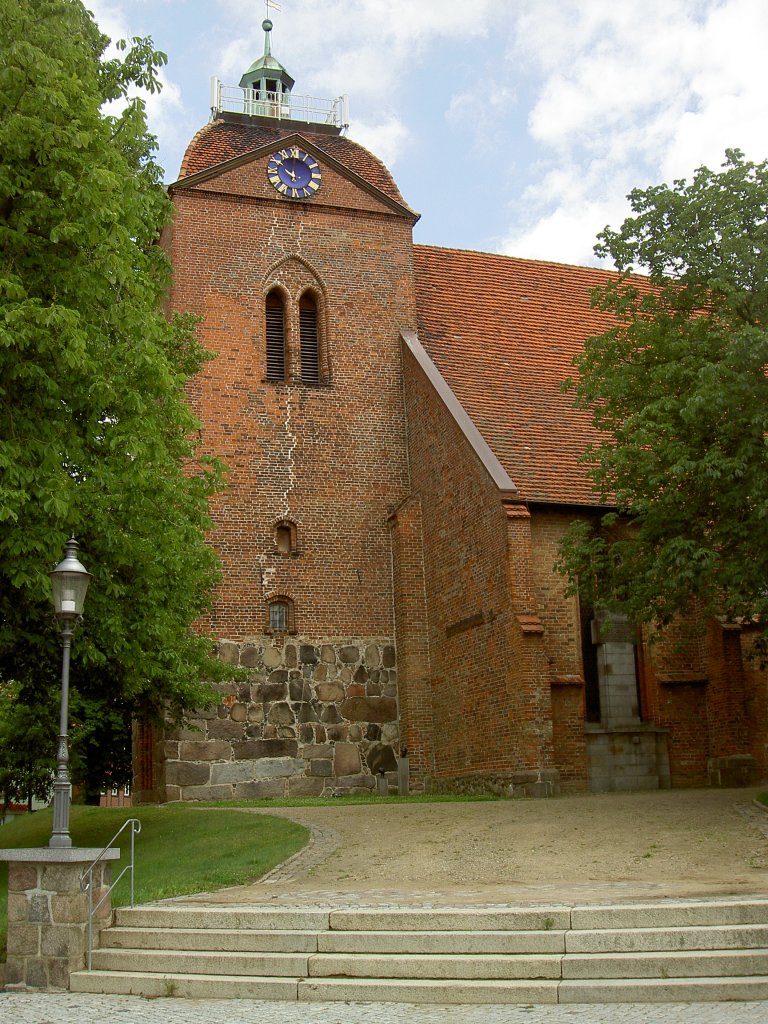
294, 246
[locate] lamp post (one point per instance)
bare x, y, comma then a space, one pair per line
69, 582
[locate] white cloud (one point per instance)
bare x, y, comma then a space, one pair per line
110, 17
628, 97
360, 47
386, 140
165, 109
481, 108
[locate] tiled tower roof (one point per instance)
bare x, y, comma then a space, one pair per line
226, 138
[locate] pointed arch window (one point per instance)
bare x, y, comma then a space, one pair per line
309, 339
275, 323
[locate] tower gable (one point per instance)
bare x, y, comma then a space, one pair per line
246, 175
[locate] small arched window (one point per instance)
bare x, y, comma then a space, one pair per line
309, 338
280, 615
275, 322
285, 537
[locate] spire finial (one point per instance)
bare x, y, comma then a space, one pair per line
267, 26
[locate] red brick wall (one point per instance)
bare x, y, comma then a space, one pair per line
560, 617
726, 710
568, 736
756, 703
330, 458
559, 613
412, 632
490, 703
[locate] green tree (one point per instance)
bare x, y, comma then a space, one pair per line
678, 392
24, 734
96, 438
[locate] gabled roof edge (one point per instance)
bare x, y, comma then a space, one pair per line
476, 440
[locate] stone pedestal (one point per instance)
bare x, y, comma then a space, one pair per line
627, 758
48, 914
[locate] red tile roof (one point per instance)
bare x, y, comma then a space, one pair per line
503, 332
222, 140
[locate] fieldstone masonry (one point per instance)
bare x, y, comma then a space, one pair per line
311, 718
48, 913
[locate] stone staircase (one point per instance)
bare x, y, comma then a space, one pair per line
668, 951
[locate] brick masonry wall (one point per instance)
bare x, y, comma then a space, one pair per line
560, 617
412, 631
329, 457
559, 612
726, 706
485, 719
756, 703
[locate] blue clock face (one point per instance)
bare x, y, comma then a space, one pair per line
294, 173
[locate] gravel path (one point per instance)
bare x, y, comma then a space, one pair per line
595, 846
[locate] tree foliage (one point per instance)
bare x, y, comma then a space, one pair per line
679, 394
96, 438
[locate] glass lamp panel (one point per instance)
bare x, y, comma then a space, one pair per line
69, 590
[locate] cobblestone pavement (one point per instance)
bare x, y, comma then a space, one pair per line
71, 1008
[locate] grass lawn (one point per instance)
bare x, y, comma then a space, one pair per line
181, 849
763, 798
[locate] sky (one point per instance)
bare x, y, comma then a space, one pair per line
512, 126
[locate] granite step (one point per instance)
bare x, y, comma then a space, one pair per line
708, 963
248, 941
226, 940
727, 936
696, 950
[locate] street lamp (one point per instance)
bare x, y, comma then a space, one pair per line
69, 582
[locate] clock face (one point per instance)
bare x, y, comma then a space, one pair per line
294, 173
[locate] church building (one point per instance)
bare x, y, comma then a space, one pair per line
402, 465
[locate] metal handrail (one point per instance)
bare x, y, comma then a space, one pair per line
279, 105
86, 878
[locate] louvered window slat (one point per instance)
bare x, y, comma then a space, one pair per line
310, 354
275, 338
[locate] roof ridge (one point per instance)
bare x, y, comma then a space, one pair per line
523, 259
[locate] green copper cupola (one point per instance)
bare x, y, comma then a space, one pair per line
270, 82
